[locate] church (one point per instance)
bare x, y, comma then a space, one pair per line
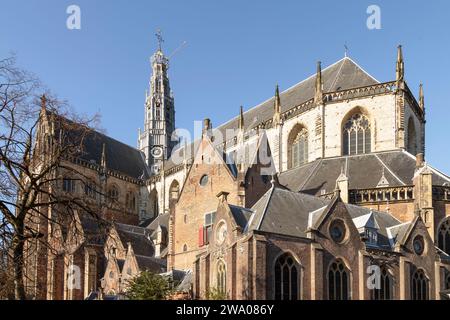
321, 192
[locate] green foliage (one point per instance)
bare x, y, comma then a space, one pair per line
149, 286
215, 294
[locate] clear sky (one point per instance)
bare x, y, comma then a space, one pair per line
236, 52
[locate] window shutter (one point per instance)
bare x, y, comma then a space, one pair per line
201, 241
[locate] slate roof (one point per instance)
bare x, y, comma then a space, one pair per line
291, 213
138, 237
363, 171
342, 75
151, 264
119, 156
241, 215
161, 220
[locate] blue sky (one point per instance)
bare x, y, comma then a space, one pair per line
237, 51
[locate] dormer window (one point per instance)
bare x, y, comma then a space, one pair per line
371, 235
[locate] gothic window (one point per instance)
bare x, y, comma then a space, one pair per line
221, 277
412, 139
185, 248
113, 193
154, 208
173, 194
68, 185
298, 147
385, 289
356, 138
338, 281
92, 276
90, 190
447, 281
130, 201
444, 236
286, 278
419, 286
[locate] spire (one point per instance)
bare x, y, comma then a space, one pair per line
277, 107
241, 119
158, 35
318, 97
43, 102
421, 98
400, 69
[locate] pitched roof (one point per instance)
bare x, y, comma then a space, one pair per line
291, 213
151, 264
119, 156
320, 176
241, 215
342, 75
138, 237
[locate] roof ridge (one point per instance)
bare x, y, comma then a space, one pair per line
288, 89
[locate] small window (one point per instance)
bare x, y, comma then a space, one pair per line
204, 180
337, 231
419, 245
185, 218
208, 226
68, 185
111, 275
185, 248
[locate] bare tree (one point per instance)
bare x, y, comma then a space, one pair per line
39, 142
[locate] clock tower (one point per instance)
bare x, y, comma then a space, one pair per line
155, 141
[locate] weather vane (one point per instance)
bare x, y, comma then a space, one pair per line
158, 35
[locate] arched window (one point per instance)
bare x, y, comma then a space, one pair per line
444, 236
286, 278
154, 209
221, 277
298, 147
447, 281
419, 286
173, 194
130, 201
113, 193
412, 139
356, 138
338, 281
385, 290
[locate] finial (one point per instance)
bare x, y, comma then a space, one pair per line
318, 97
241, 119
158, 35
103, 160
400, 70
43, 101
421, 97
277, 107
346, 50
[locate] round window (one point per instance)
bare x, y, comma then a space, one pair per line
337, 231
419, 245
204, 180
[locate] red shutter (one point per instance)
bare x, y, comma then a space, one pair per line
201, 239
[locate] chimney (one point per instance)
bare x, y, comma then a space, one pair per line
207, 127
223, 196
419, 160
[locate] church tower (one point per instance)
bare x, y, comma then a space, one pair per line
156, 138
